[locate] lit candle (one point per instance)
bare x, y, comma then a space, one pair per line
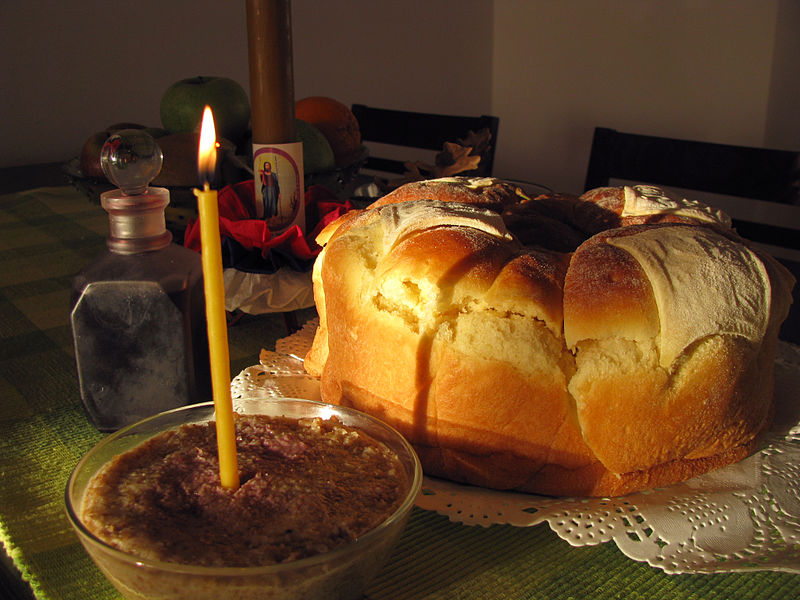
208, 210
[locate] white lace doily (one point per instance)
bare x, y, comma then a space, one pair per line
744, 517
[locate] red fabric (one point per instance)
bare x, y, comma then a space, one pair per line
237, 222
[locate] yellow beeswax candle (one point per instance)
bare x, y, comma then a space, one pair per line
208, 211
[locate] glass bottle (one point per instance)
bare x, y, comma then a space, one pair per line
138, 309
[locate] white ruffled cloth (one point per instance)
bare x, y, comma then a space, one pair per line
744, 517
284, 290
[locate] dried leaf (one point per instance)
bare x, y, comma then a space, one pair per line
480, 141
413, 170
458, 159
454, 158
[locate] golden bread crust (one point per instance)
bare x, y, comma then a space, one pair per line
485, 192
531, 355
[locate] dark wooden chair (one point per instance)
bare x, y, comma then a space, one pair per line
420, 131
758, 187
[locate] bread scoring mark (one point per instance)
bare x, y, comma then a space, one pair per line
472, 183
683, 263
402, 219
647, 200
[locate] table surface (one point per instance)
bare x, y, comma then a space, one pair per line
46, 235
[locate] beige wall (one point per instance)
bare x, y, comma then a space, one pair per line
685, 68
783, 110
415, 54
72, 68
721, 70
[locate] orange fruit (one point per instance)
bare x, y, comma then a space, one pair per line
336, 122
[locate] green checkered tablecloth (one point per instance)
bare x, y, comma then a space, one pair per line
46, 235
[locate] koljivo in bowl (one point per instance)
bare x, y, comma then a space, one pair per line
341, 573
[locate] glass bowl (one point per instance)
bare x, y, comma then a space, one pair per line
342, 573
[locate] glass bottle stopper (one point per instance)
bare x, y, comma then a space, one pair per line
131, 159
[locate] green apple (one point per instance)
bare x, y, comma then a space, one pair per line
317, 152
183, 102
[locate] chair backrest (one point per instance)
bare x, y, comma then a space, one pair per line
420, 131
759, 188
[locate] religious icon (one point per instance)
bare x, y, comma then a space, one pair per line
279, 186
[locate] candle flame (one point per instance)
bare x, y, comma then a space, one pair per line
207, 149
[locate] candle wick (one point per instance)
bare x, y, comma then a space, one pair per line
206, 186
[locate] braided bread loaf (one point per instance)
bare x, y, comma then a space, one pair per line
592, 345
